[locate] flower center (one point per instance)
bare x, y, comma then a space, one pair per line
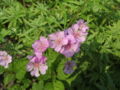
36, 64
68, 46
41, 46
58, 41
81, 26
76, 34
5, 58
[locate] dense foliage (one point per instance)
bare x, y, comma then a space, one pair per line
98, 62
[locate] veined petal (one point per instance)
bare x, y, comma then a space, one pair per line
5, 59
57, 48
52, 36
35, 72
38, 54
75, 27
43, 69
65, 41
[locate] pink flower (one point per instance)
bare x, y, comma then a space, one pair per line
37, 66
57, 40
78, 35
82, 25
5, 59
79, 31
71, 48
40, 46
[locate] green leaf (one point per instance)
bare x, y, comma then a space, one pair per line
49, 86
84, 65
58, 85
16, 87
20, 75
38, 86
1, 69
60, 73
100, 87
28, 0
3, 33
51, 55
19, 66
8, 78
26, 83
46, 76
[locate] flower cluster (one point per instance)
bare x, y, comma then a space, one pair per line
5, 59
66, 42
37, 64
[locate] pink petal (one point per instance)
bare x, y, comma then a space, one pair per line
75, 27
68, 54
82, 39
44, 41
35, 72
60, 34
80, 22
38, 54
76, 47
3, 53
29, 67
35, 44
52, 36
9, 59
43, 69
43, 59
57, 49
2, 63
52, 45
71, 38
65, 41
